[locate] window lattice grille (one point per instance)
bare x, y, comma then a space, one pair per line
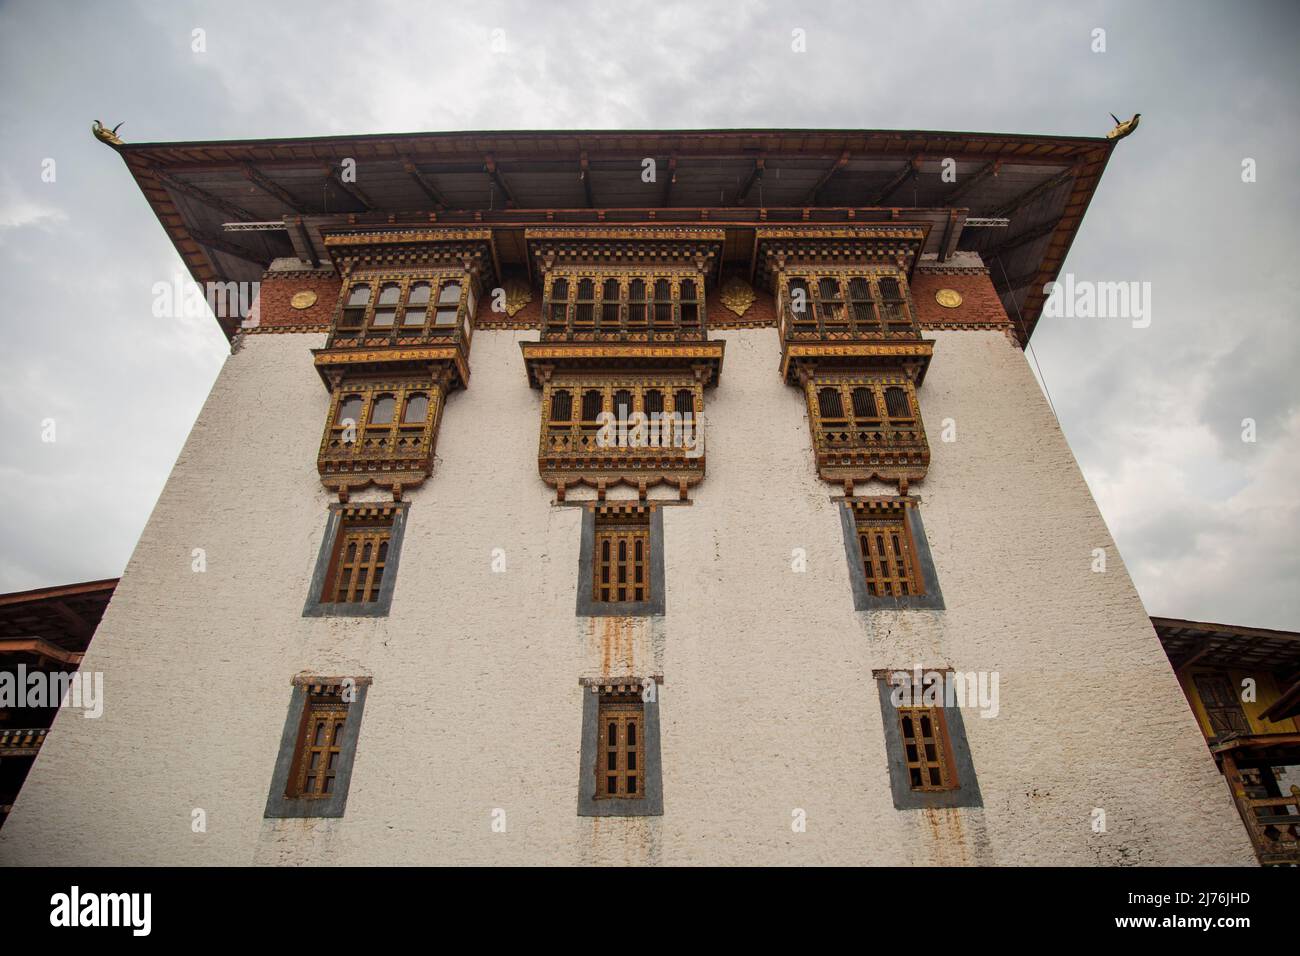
621, 565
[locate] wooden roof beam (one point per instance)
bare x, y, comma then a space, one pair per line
669, 181
202, 195
1021, 238
426, 185
811, 197
302, 244
352, 189
973, 180
228, 247
755, 175
255, 176
490, 167
1030, 195
907, 172
585, 176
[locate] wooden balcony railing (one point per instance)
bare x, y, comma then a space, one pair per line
25, 742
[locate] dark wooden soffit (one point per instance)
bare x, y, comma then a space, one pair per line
479, 176
65, 616
1227, 645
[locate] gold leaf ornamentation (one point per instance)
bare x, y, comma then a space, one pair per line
737, 295
518, 295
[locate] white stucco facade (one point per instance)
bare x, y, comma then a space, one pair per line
768, 705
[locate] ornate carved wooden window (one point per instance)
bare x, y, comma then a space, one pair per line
893, 305
644, 426
1222, 706
385, 314
597, 304
557, 307
799, 302
691, 304
416, 313
636, 315
930, 763
356, 571
561, 407
320, 746
830, 407
313, 768
355, 307
621, 565
866, 426
611, 297
381, 429
404, 306
620, 770
888, 553
927, 752
845, 304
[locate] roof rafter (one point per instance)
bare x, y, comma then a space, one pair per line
973, 180
1031, 194
490, 166
755, 175
903, 175
426, 185
202, 195
256, 177
228, 247
333, 174
825, 177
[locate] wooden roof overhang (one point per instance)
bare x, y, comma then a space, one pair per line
1228, 645
702, 358
1026, 194
1241, 648
53, 621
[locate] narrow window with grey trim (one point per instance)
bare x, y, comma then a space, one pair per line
620, 768
890, 565
313, 770
621, 561
930, 763
356, 568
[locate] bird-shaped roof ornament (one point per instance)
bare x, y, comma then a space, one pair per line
106, 135
1123, 128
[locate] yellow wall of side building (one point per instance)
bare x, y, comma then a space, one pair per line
1266, 693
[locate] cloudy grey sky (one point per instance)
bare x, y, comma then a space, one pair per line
1206, 522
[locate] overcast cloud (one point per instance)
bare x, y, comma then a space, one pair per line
1206, 522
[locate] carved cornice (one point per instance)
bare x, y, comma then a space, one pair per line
449, 359
911, 357
542, 357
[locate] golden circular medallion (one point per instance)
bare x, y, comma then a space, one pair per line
948, 298
303, 300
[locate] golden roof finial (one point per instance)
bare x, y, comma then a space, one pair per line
106, 135
1123, 129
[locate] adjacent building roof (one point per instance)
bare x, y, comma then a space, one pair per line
56, 622
1017, 200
